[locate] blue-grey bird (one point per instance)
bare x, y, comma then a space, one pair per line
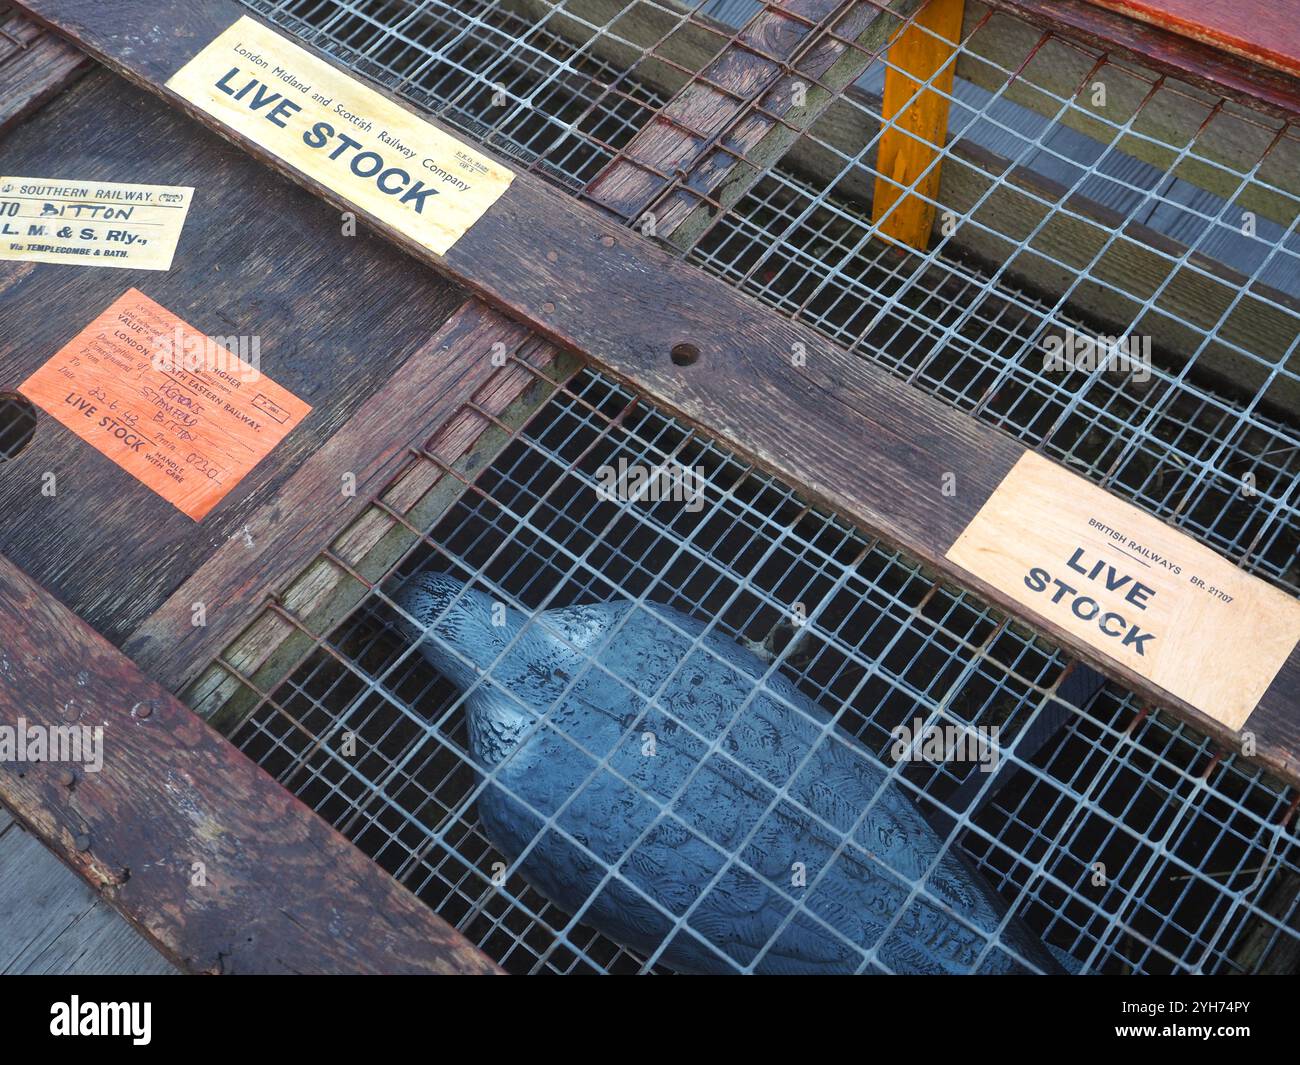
545, 717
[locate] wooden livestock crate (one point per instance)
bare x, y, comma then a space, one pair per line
940, 358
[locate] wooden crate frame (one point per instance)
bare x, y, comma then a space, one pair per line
901, 439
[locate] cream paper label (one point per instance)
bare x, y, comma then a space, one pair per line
91, 223
343, 134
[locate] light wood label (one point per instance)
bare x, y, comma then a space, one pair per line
343, 134
1132, 587
177, 410
91, 223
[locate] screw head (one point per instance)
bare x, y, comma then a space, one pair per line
67, 777
548, 307
607, 240
82, 843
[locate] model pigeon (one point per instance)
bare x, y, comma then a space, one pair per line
649, 740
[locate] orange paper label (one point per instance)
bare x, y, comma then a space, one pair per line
177, 410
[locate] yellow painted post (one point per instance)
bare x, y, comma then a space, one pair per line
921, 126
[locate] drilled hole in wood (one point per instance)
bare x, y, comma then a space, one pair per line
685, 354
17, 424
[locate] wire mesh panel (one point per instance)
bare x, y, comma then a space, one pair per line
1107, 832
1085, 200
17, 424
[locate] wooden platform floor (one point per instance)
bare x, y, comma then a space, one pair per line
52, 923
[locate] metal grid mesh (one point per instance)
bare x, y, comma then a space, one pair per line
1125, 220
1199, 847
17, 424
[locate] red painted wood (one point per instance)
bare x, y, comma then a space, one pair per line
1266, 31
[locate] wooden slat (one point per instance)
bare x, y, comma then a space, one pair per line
920, 55
311, 509
51, 922
34, 65
712, 134
850, 437
1263, 31
1182, 57
323, 595
283, 891
98, 943
39, 899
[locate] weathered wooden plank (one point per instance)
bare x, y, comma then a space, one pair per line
1275, 725
1197, 64
67, 929
920, 56
98, 943
197, 847
326, 494
1264, 32
34, 66
777, 393
39, 899
744, 111
241, 268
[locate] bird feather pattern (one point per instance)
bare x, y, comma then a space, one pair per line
743, 764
